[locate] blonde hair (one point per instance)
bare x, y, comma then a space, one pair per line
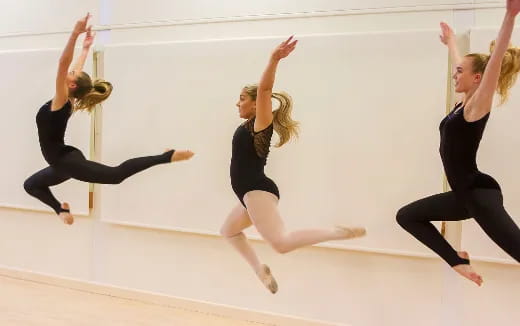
508, 71
88, 94
283, 124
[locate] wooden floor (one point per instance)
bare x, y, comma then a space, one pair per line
30, 303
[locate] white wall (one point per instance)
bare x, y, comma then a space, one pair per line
345, 286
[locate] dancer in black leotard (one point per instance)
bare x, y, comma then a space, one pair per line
76, 91
249, 156
258, 195
473, 193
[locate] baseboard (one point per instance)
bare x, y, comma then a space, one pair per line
260, 317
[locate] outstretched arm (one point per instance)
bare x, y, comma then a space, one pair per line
264, 110
62, 91
481, 102
448, 38
87, 44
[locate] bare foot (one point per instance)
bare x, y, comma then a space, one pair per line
66, 217
467, 270
264, 274
181, 155
350, 232
463, 254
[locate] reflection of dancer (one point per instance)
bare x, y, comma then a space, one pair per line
75, 91
257, 193
475, 194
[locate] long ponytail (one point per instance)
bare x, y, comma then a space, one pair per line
88, 94
283, 124
509, 69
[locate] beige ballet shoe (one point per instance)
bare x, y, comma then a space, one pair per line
267, 279
351, 232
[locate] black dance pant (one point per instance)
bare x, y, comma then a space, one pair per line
483, 204
75, 165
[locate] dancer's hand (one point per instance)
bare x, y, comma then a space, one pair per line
447, 34
284, 49
81, 25
513, 7
89, 38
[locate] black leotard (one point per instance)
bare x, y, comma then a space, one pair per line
249, 156
51, 131
458, 148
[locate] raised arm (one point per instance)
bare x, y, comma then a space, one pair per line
448, 38
62, 90
87, 43
264, 110
481, 102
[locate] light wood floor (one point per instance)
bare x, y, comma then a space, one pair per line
30, 303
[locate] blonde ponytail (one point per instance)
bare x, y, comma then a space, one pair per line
508, 71
283, 124
88, 94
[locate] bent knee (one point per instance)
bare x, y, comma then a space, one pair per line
403, 216
225, 232
228, 232
28, 186
280, 246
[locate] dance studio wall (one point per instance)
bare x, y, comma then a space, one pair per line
188, 92
369, 87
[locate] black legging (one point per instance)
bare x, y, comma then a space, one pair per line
485, 205
75, 165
